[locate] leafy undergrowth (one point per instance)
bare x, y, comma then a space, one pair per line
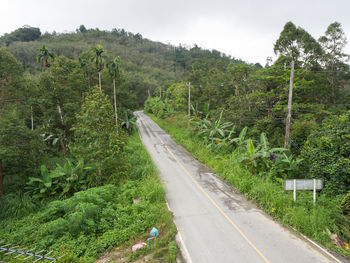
96, 220
312, 220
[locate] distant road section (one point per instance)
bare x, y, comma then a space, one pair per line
217, 224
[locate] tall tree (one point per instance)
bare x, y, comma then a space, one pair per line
333, 43
297, 46
11, 78
114, 72
61, 93
96, 140
86, 63
45, 55
20, 147
99, 63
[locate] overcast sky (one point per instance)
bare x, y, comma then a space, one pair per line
245, 29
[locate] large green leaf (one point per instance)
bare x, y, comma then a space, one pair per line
250, 147
243, 134
44, 171
48, 184
263, 141
34, 179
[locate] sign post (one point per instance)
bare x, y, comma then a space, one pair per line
303, 184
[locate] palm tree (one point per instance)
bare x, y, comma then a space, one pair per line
44, 56
114, 72
98, 50
85, 61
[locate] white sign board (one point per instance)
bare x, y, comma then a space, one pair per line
303, 184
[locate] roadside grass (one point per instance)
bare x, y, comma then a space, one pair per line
266, 191
99, 219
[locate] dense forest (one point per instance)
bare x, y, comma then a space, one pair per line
68, 148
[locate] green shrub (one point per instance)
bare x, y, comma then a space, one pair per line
300, 130
343, 219
158, 107
327, 154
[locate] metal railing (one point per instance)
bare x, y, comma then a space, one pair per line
26, 252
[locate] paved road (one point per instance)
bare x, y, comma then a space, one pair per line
217, 224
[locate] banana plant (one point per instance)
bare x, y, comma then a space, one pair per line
249, 153
264, 150
240, 141
261, 157
215, 133
63, 180
128, 123
71, 172
44, 186
198, 115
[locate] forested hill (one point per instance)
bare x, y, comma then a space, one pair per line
147, 65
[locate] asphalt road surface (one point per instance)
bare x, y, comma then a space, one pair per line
216, 224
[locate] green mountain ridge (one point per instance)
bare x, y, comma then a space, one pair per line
148, 65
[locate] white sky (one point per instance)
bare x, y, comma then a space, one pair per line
245, 29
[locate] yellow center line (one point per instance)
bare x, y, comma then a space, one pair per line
214, 203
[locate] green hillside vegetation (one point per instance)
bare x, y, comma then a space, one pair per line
148, 65
91, 221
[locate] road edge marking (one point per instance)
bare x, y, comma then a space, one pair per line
184, 252
183, 248
318, 246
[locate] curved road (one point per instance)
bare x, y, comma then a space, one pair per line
215, 223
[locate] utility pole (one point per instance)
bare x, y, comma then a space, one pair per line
189, 99
289, 109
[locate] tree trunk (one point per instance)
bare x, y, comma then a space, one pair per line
99, 80
63, 140
289, 109
189, 99
63, 144
115, 106
1, 181
332, 81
